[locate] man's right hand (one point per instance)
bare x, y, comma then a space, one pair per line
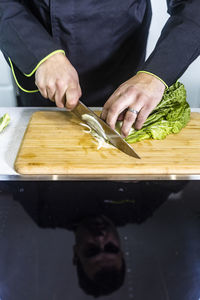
58, 81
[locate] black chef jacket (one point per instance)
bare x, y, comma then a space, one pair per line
104, 40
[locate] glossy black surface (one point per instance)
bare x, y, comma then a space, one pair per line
159, 232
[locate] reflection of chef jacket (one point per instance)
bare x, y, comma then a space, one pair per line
65, 204
104, 40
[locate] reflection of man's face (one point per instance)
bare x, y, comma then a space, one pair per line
97, 245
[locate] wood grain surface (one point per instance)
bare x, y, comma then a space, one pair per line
55, 143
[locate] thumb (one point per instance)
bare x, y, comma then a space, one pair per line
72, 97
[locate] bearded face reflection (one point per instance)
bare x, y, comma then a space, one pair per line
98, 256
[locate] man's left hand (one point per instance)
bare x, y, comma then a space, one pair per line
141, 93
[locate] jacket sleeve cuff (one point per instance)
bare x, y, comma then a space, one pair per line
43, 60
17, 81
152, 74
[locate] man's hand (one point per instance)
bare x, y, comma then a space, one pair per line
141, 93
58, 81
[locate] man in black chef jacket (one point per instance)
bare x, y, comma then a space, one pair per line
66, 49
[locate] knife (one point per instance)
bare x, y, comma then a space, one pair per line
112, 135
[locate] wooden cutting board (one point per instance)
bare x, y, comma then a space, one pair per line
55, 143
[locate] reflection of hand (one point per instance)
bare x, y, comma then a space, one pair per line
141, 93
58, 81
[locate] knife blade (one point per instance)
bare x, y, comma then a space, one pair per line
112, 135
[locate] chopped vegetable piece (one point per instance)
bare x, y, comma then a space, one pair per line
100, 141
4, 121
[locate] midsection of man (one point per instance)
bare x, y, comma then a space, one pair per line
104, 40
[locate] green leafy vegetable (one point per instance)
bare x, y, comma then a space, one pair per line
4, 121
170, 116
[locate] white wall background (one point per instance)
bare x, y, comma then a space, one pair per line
191, 78
7, 88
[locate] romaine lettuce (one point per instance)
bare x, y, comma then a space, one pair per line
169, 116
